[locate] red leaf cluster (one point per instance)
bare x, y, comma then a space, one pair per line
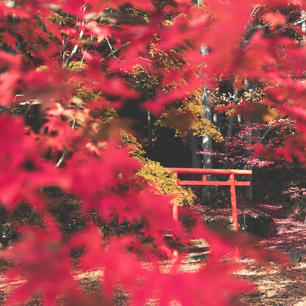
50, 51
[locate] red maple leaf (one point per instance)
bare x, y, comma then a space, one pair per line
42, 266
23, 169
274, 19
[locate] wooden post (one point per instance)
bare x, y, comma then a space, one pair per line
204, 172
175, 218
174, 207
175, 212
233, 202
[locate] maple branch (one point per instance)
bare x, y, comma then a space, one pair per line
74, 51
62, 53
60, 161
145, 59
266, 133
83, 57
76, 46
112, 53
255, 10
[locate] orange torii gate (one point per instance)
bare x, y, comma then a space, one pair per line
204, 182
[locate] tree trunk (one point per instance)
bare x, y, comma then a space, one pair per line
229, 132
207, 146
194, 148
207, 143
149, 128
230, 125
247, 153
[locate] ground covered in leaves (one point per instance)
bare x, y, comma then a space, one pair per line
277, 284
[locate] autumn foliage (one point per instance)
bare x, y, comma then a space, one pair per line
73, 59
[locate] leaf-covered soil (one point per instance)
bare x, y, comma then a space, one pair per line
277, 284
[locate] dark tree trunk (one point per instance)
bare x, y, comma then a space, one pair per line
206, 141
247, 153
207, 146
229, 132
194, 148
149, 128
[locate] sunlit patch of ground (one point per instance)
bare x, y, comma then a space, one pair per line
277, 285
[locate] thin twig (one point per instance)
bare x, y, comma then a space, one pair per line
60, 161
76, 47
